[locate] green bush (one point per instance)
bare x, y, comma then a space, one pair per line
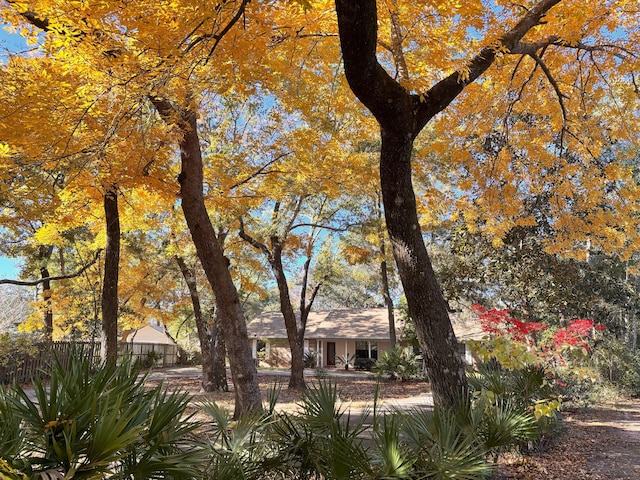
442, 448
321, 439
189, 357
310, 359
97, 424
105, 424
523, 398
152, 359
364, 364
399, 363
618, 366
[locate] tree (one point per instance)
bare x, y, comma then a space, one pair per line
111, 273
367, 243
214, 372
113, 95
286, 217
209, 247
403, 112
70, 35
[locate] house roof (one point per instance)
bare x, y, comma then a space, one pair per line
347, 323
361, 324
150, 334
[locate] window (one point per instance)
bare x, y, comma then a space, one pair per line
362, 349
366, 349
374, 350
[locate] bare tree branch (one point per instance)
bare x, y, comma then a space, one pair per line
325, 227
556, 87
218, 36
259, 171
252, 241
33, 283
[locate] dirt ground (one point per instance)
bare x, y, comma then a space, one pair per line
599, 443
354, 390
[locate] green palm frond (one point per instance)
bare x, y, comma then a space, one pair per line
320, 405
506, 425
98, 423
11, 432
390, 458
440, 448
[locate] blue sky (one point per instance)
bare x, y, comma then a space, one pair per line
12, 43
9, 267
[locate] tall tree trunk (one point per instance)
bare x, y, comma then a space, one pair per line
427, 306
201, 327
634, 338
111, 271
44, 254
209, 381
295, 334
388, 301
401, 116
218, 353
296, 339
384, 275
214, 263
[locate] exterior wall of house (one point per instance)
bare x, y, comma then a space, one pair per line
278, 354
383, 346
347, 347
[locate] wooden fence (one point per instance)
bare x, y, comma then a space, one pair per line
22, 368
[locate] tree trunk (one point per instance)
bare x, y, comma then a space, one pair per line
44, 254
388, 301
296, 380
218, 355
110, 282
209, 381
295, 333
384, 275
214, 263
427, 306
634, 338
393, 107
401, 116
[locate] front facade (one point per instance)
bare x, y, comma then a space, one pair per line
151, 338
333, 335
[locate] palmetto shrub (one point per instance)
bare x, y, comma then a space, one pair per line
322, 440
310, 359
319, 441
399, 363
442, 447
521, 404
105, 424
96, 424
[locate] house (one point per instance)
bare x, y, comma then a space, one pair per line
151, 338
363, 332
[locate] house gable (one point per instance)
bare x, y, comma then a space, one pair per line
149, 334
